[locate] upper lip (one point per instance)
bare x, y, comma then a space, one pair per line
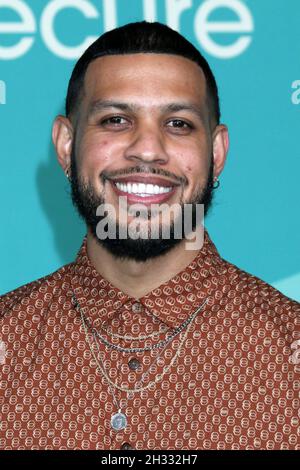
145, 179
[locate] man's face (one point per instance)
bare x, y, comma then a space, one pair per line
143, 119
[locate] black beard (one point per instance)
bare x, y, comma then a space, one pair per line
141, 249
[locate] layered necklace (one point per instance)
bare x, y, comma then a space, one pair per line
119, 419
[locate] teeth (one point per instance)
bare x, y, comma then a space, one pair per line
142, 189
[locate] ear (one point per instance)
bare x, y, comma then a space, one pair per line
220, 148
62, 137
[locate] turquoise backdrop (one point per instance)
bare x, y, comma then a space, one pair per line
253, 47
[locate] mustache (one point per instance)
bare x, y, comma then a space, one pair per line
142, 169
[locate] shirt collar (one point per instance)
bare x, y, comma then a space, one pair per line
172, 302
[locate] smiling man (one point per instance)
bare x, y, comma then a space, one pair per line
142, 342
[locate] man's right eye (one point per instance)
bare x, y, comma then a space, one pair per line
114, 120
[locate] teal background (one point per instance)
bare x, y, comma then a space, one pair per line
255, 222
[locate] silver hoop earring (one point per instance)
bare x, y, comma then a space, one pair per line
216, 183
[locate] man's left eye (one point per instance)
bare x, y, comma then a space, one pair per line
179, 124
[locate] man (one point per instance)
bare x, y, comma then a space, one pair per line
142, 342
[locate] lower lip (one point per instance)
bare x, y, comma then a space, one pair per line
153, 199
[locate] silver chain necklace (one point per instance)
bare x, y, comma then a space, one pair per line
119, 419
158, 345
133, 338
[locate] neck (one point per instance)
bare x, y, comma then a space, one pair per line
138, 278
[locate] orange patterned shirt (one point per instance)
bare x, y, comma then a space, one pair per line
225, 377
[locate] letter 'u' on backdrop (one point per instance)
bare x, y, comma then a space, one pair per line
253, 48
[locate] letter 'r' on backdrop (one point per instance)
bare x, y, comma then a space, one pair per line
253, 48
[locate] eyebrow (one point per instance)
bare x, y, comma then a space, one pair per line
101, 105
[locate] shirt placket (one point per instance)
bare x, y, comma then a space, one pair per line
131, 368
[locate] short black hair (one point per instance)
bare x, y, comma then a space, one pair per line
140, 37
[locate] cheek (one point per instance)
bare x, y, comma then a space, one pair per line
196, 171
94, 154
194, 166
194, 157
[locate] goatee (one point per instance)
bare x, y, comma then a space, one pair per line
86, 201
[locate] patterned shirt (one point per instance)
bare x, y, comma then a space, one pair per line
227, 379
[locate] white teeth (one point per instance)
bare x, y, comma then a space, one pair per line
142, 189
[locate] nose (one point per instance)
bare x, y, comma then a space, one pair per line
147, 145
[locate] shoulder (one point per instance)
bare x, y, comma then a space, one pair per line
262, 304
35, 297
255, 288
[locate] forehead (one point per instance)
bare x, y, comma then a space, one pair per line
148, 76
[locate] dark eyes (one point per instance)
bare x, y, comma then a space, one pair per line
112, 120
116, 121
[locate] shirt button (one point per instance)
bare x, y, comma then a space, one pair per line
126, 446
133, 364
136, 307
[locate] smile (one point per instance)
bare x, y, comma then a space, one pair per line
143, 190
155, 192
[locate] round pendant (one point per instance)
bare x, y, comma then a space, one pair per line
118, 421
